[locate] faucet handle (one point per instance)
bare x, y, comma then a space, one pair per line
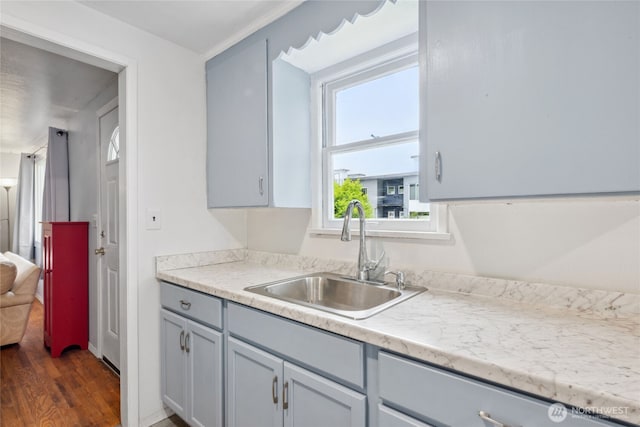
372, 264
399, 278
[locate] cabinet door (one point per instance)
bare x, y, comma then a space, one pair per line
173, 367
237, 135
254, 381
203, 347
531, 98
313, 400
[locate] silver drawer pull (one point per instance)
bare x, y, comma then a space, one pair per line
186, 305
487, 417
182, 340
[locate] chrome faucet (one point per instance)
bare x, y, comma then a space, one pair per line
365, 265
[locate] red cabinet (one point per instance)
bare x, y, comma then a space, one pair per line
66, 283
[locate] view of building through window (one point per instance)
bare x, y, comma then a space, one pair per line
378, 119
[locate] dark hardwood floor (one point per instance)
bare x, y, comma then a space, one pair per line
76, 389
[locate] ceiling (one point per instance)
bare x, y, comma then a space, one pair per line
205, 27
41, 88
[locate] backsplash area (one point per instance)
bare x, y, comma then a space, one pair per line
587, 302
590, 243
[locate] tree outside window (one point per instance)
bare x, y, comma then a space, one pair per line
346, 192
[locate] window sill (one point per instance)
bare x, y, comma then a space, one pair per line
415, 235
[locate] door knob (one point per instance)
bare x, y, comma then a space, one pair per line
100, 251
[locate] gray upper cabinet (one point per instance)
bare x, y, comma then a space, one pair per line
258, 111
530, 98
237, 156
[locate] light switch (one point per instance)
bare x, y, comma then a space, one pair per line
154, 220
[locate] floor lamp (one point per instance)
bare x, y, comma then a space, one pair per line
7, 183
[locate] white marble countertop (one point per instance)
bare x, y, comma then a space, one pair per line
576, 359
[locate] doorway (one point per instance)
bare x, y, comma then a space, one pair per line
126, 69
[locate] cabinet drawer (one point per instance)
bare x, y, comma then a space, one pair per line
387, 417
440, 397
339, 357
200, 307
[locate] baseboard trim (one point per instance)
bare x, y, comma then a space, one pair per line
94, 351
156, 417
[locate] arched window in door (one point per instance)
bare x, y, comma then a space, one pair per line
114, 145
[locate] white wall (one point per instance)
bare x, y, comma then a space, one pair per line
170, 151
588, 243
83, 184
9, 167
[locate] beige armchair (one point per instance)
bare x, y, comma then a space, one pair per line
16, 297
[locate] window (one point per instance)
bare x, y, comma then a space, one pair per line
413, 191
370, 117
364, 110
114, 145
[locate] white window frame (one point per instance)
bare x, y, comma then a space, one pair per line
388, 59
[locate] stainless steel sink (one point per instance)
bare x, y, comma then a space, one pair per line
337, 294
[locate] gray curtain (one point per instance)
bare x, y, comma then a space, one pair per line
24, 227
55, 206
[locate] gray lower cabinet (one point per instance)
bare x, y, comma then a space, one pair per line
191, 367
254, 380
442, 398
387, 417
280, 373
331, 355
265, 390
314, 401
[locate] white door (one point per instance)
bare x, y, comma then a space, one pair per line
109, 133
